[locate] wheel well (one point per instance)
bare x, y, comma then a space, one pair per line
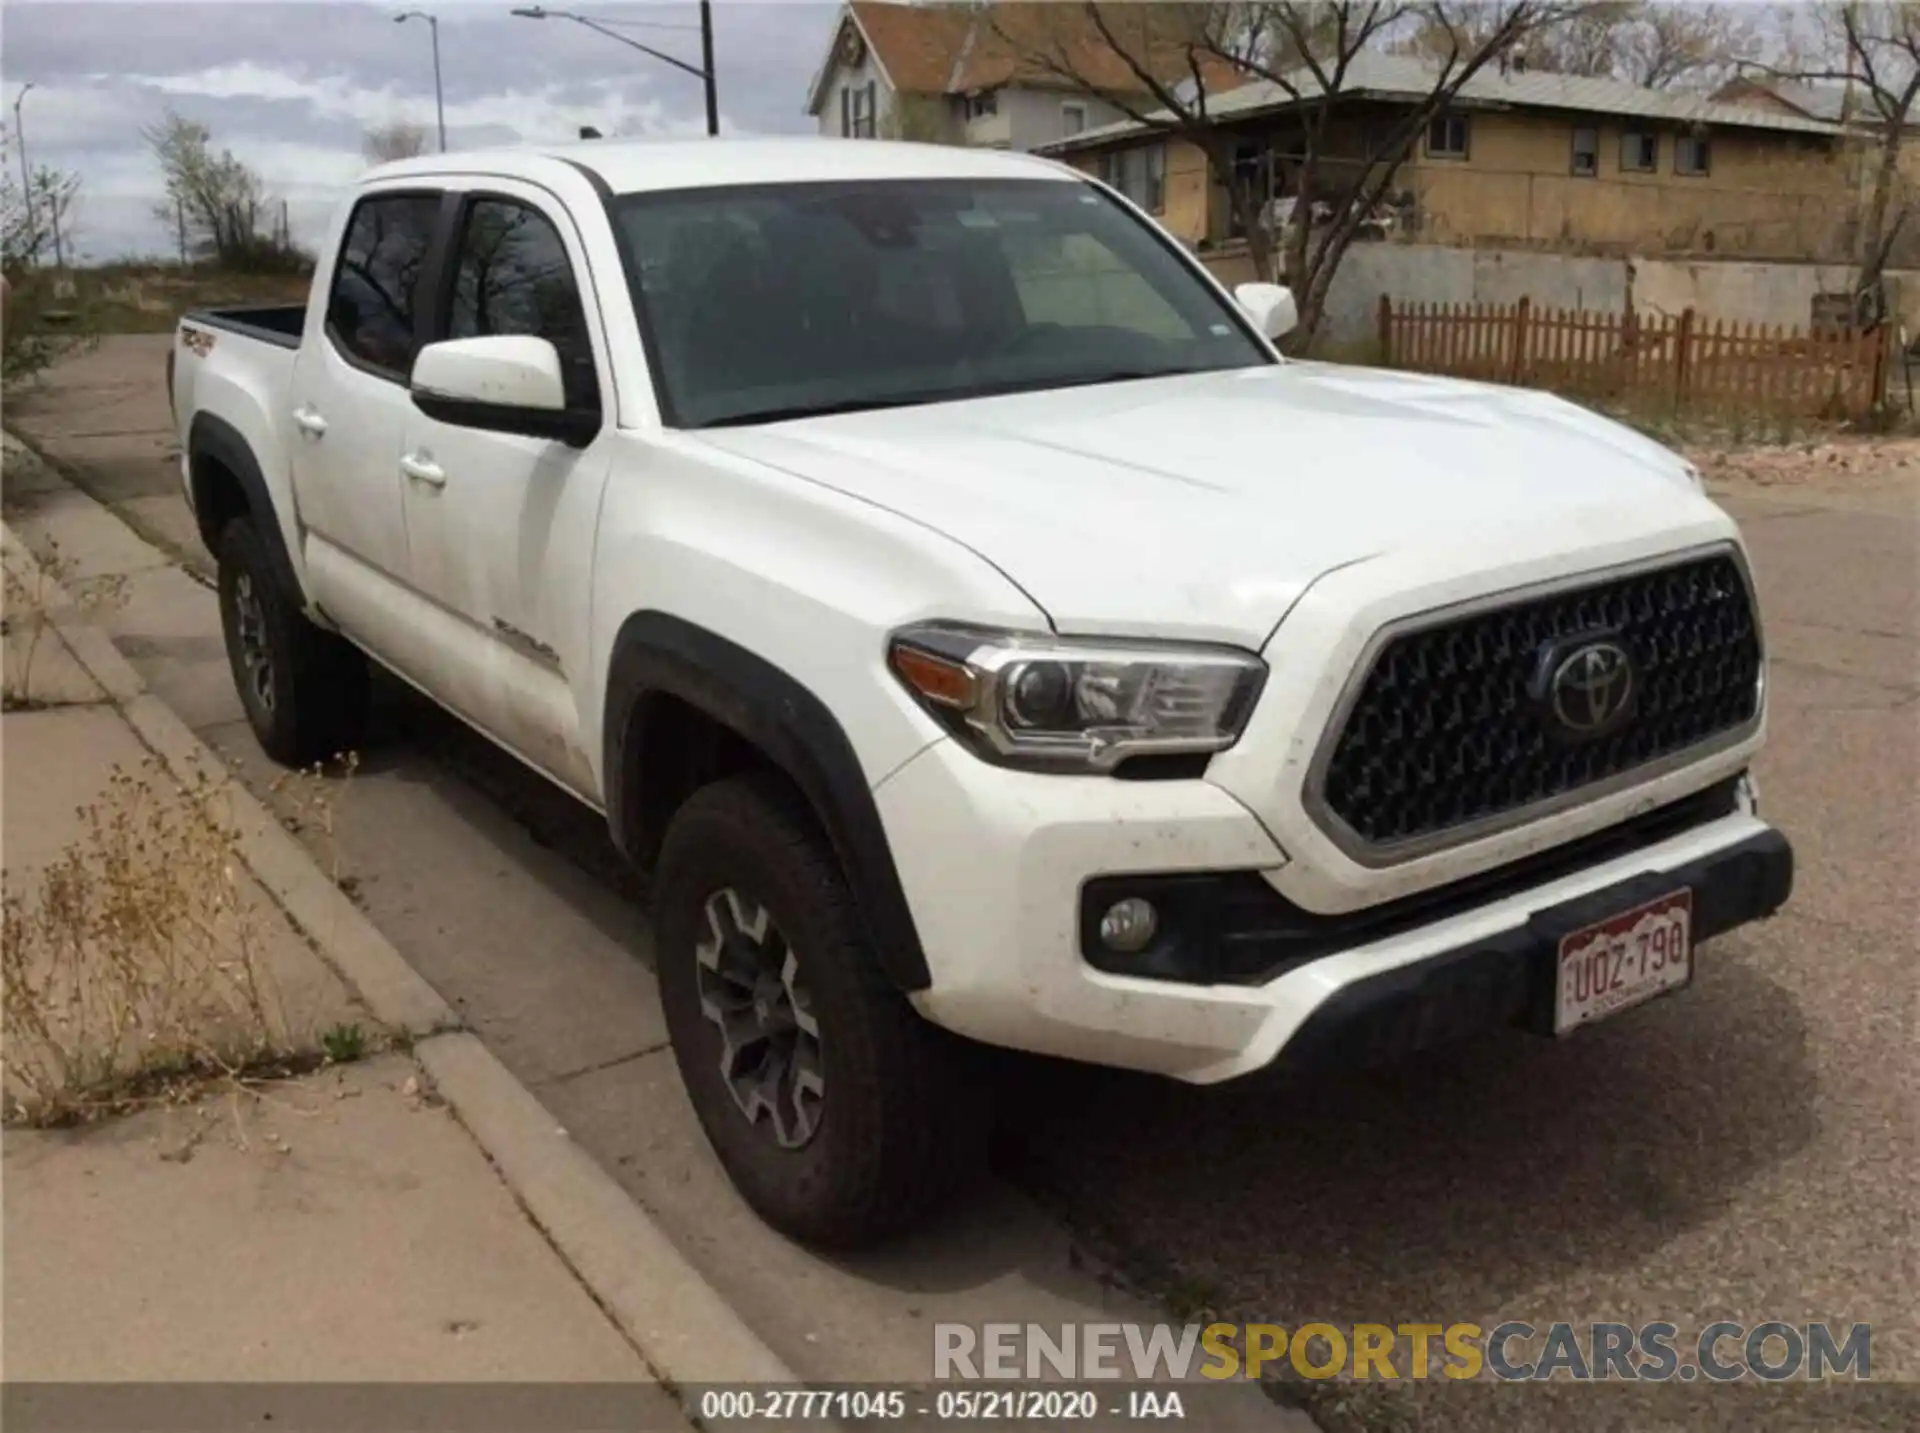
681, 748
218, 497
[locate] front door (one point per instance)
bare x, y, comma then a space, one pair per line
500, 527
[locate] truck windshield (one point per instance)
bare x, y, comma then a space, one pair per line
790, 300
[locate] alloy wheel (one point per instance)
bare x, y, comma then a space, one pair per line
250, 624
752, 992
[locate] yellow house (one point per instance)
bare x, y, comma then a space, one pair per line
1519, 160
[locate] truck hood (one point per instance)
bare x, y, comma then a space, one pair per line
1202, 506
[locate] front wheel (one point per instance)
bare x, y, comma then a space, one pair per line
839, 1114
304, 689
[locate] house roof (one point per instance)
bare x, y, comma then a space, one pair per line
959, 48
1815, 101
1407, 77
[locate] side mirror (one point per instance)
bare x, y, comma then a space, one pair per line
503, 383
1270, 306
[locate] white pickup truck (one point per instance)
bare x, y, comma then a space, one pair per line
980, 632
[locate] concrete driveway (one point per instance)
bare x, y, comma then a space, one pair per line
1745, 1152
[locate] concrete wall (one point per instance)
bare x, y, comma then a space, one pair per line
1737, 291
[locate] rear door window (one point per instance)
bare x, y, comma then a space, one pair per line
372, 308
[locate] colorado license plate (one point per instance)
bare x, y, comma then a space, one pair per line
1616, 963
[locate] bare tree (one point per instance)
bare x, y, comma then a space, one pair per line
402, 139
1182, 58
1873, 50
1694, 44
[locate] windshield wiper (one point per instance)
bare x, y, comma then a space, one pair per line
943, 395
825, 410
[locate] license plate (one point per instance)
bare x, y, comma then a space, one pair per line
1619, 962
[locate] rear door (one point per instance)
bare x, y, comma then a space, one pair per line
349, 404
500, 526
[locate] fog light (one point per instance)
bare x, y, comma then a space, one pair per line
1129, 926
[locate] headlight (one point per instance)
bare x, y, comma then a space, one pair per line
1061, 704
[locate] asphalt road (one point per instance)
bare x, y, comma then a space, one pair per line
1745, 1152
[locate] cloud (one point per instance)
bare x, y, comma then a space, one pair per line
292, 88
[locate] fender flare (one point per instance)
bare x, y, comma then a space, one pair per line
214, 438
657, 652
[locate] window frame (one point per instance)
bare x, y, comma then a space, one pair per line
1593, 152
1702, 146
426, 290
866, 111
1112, 174
1072, 107
449, 275
1627, 137
1449, 117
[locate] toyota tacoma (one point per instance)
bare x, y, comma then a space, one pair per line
980, 633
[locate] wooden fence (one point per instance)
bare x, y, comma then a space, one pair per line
1677, 362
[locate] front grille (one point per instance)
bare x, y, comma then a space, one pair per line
1444, 732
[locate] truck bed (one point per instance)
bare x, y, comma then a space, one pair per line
279, 324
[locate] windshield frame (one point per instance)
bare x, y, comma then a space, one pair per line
1267, 354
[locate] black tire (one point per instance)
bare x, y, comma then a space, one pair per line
310, 701
899, 1124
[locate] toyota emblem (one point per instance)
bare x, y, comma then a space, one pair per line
1592, 688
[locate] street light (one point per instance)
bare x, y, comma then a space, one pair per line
26, 175
439, 102
702, 71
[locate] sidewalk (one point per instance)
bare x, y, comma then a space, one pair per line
340, 1226
407, 1214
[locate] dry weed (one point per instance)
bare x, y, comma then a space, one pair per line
134, 964
312, 797
25, 620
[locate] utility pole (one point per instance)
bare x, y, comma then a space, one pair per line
703, 71
439, 97
706, 67
26, 174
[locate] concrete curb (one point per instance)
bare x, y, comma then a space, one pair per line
680, 1324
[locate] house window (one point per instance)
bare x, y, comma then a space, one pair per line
859, 110
1139, 173
1586, 152
1073, 118
983, 104
1691, 154
1447, 136
1639, 152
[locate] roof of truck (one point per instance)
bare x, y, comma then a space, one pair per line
634, 166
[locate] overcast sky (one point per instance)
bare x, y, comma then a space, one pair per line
292, 87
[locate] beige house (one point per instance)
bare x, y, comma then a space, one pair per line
1522, 160
957, 74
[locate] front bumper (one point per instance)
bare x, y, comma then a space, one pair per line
1507, 979
996, 864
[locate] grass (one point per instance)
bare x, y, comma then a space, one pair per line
137, 297
343, 1044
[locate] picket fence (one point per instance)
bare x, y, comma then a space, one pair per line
1647, 360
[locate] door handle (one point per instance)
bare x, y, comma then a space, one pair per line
308, 420
423, 470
